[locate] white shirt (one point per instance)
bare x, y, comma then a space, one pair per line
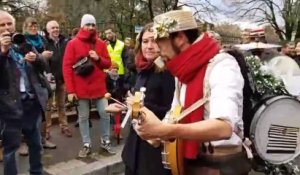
226, 100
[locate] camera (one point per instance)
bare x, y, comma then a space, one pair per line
22, 46
18, 38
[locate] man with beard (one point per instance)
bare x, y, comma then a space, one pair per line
115, 49
90, 86
215, 127
288, 49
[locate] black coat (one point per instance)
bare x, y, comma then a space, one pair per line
55, 62
138, 155
10, 98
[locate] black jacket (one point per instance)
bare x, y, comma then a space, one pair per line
137, 154
297, 59
10, 99
116, 87
56, 61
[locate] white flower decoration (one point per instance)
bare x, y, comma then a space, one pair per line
162, 30
266, 69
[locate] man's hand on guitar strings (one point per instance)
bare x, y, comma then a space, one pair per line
149, 126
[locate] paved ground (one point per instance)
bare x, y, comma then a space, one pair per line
64, 157
62, 161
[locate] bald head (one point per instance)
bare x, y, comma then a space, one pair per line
7, 22
6, 14
50, 24
53, 29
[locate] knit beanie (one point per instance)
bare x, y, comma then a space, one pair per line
87, 19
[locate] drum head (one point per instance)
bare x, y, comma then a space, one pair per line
275, 130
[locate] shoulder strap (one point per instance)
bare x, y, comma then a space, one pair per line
212, 63
191, 108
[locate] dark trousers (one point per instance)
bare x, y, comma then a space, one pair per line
11, 134
128, 171
235, 164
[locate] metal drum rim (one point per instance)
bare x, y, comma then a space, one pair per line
256, 119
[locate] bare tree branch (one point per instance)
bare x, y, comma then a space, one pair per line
271, 12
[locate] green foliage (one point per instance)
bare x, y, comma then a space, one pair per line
264, 81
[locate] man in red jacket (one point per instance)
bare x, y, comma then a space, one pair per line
89, 87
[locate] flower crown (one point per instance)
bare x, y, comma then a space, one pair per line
162, 30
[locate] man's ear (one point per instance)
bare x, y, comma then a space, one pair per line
181, 39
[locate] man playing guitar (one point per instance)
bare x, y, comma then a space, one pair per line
211, 133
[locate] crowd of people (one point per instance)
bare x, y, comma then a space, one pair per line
41, 74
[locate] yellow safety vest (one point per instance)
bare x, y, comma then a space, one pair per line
116, 55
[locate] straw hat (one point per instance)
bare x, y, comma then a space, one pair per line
173, 21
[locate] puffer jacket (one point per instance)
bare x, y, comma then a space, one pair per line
92, 86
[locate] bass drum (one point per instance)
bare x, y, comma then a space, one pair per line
275, 129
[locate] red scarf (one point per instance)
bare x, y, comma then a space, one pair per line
87, 35
142, 63
190, 67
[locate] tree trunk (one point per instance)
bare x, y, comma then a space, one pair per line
298, 31
151, 14
289, 28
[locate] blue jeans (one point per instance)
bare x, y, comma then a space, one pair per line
12, 130
83, 116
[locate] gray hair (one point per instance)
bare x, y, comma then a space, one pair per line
5, 13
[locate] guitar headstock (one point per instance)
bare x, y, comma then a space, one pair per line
138, 102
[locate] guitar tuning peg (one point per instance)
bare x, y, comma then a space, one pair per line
143, 89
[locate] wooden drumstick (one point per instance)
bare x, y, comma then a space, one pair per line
108, 96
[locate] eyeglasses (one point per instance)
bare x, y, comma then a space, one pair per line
54, 27
33, 26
